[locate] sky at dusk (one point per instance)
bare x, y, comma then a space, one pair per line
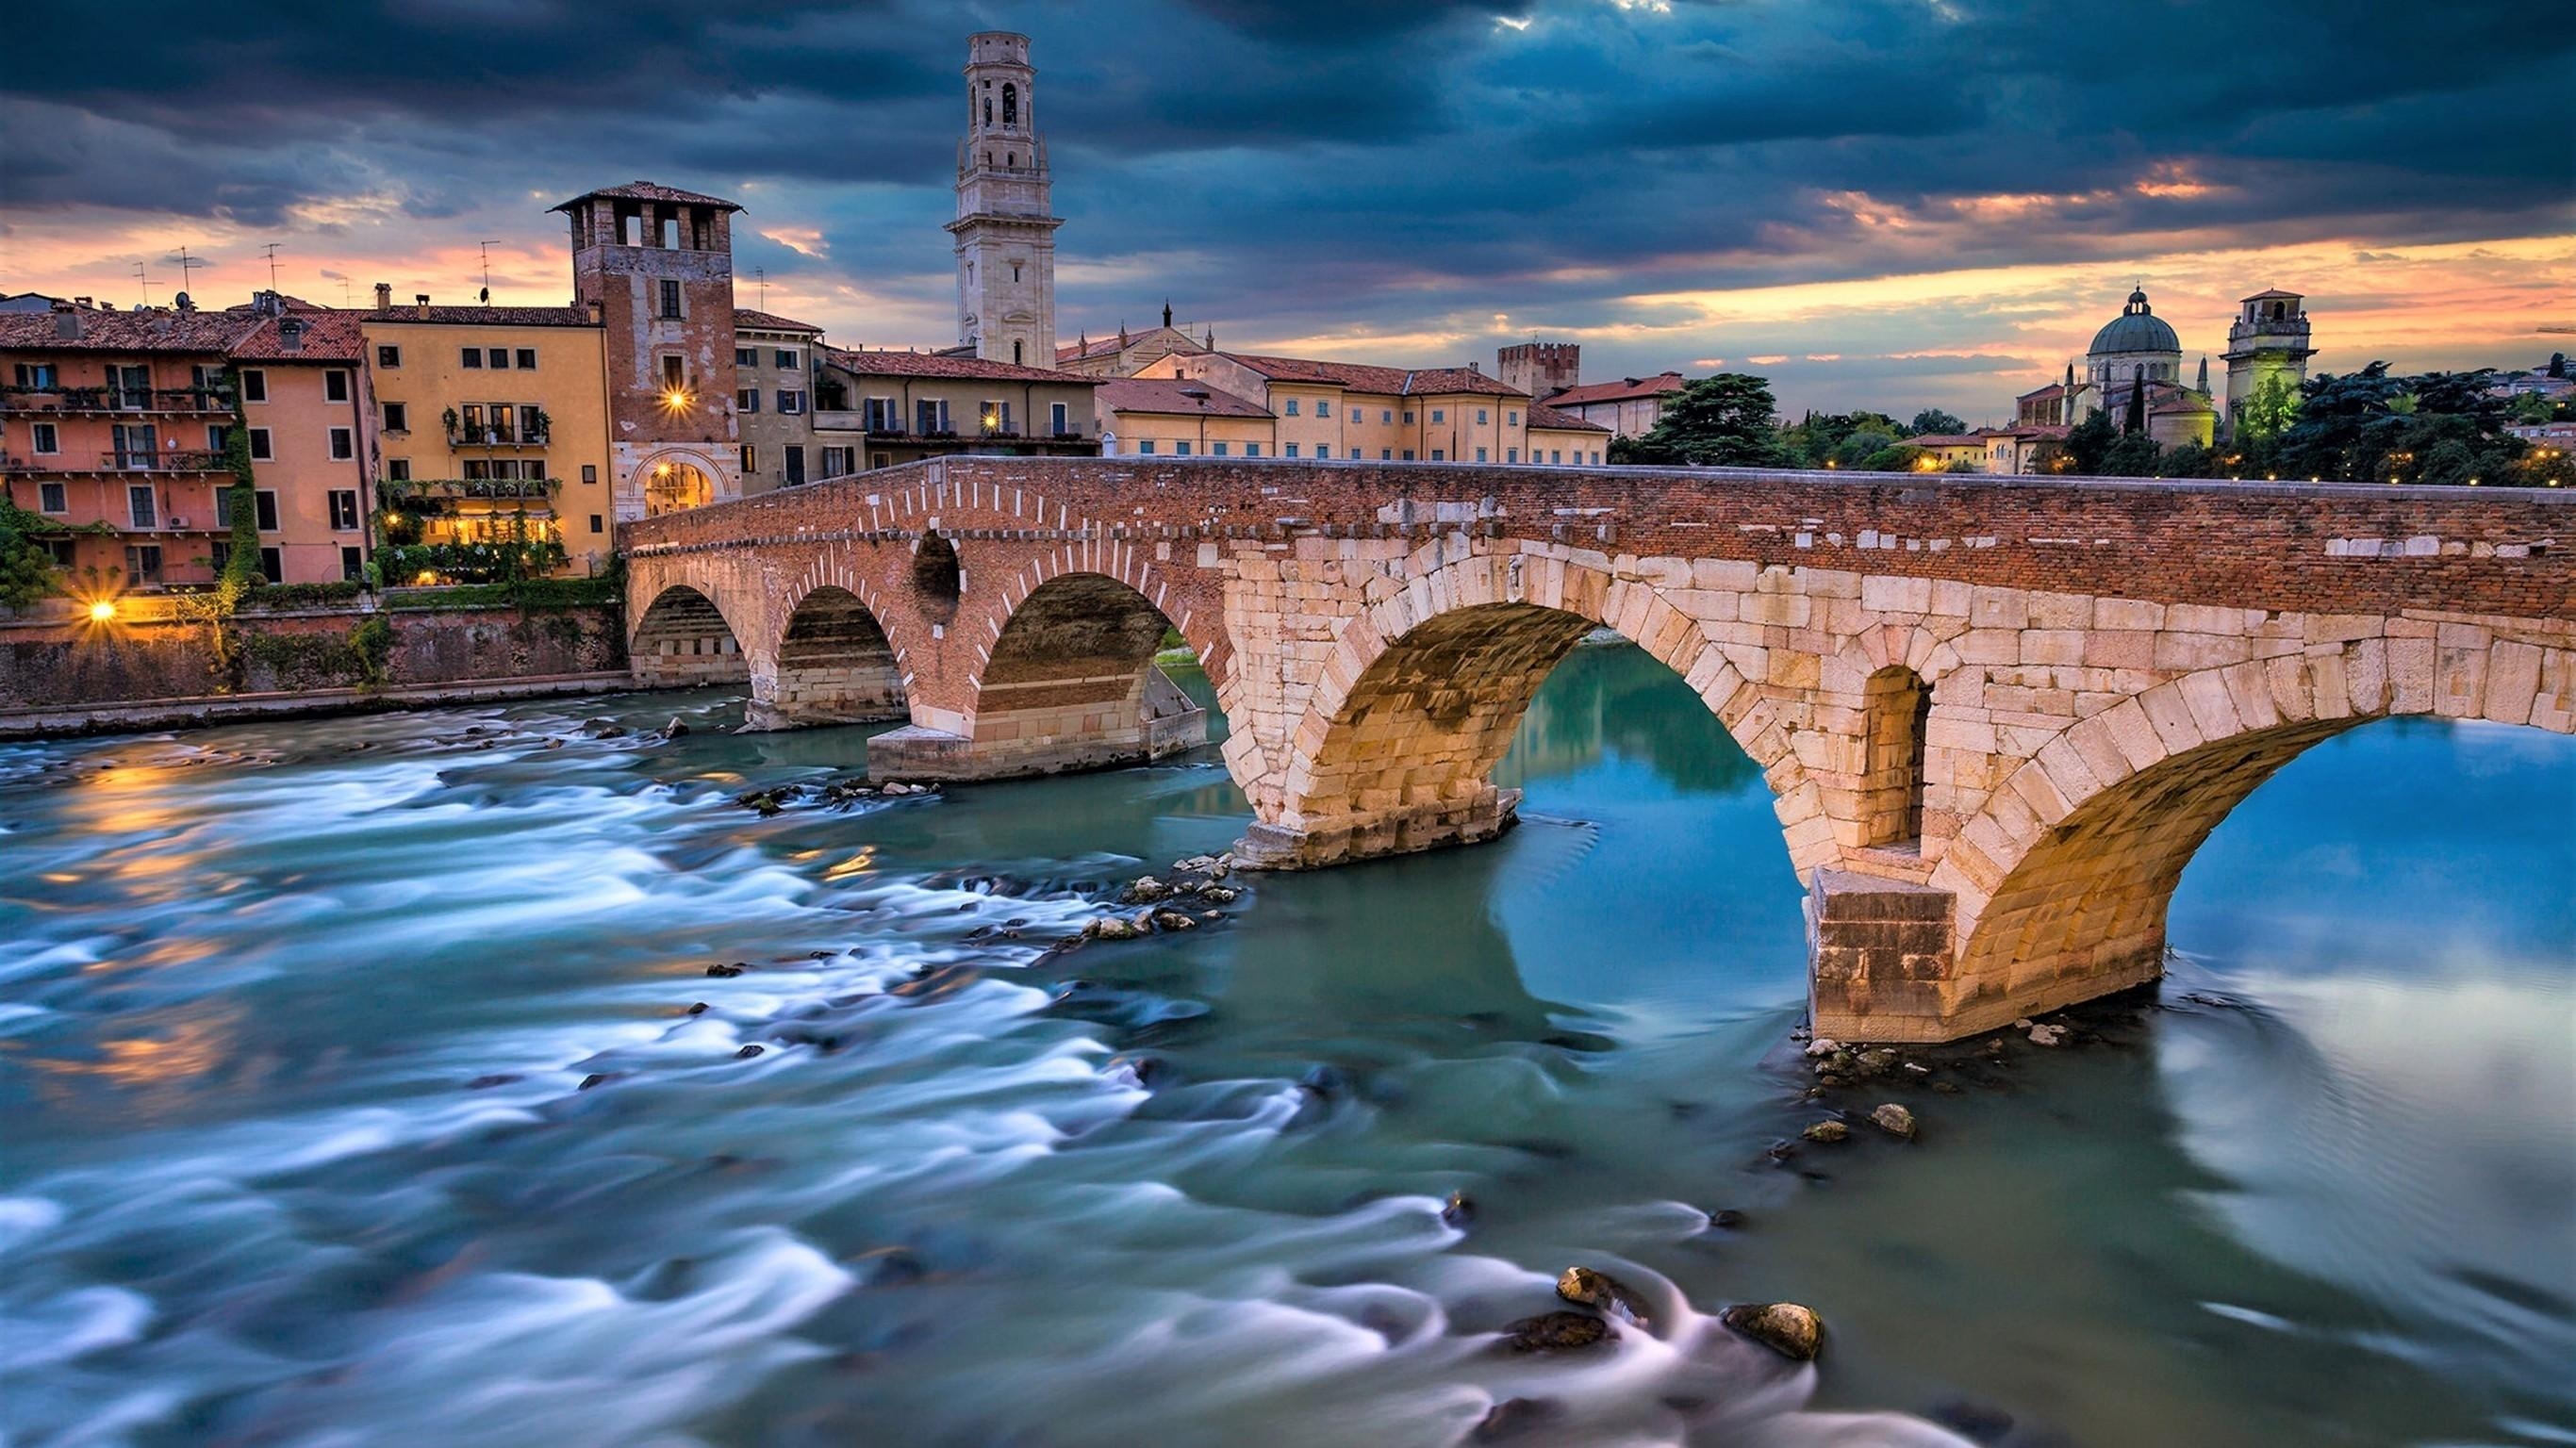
1887, 203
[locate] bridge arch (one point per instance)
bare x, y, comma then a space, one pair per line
2063, 878
683, 640
834, 663
1068, 680
1421, 694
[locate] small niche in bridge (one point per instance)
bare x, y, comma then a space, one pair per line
937, 578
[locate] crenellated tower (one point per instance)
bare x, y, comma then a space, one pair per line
1005, 226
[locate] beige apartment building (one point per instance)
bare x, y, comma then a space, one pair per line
774, 365
1359, 412
902, 406
1165, 417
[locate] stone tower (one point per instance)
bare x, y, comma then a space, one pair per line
2268, 338
1540, 368
656, 266
1004, 228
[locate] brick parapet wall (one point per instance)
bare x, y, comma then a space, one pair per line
2311, 547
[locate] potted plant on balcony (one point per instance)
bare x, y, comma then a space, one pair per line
533, 423
447, 420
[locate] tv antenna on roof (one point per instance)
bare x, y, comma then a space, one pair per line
271, 251
761, 274
187, 270
144, 282
487, 273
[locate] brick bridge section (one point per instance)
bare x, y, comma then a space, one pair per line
1997, 715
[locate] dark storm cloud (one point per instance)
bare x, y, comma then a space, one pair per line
1347, 163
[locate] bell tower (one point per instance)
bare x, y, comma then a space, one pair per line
1004, 228
2269, 338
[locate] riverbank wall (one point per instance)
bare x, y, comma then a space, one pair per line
157, 665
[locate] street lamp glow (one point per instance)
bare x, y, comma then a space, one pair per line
103, 611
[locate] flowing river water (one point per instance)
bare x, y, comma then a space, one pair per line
295, 1146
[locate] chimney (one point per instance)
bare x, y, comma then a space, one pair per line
420, 304
290, 334
384, 296
67, 322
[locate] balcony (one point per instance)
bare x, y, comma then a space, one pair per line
536, 436
166, 460
117, 401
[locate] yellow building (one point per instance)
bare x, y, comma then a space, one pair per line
1358, 412
493, 430
1557, 436
1162, 417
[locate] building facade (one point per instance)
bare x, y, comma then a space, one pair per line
1627, 406
658, 264
1356, 410
492, 426
304, 399
1005, 226
903, 406
113, 426
776, 361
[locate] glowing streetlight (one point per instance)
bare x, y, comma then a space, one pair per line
103, 611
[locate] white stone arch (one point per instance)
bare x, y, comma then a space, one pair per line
2062, 877
1284, 780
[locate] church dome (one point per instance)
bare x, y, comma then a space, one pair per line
2136, 329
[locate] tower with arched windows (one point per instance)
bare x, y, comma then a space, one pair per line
2268, 339
1005, 228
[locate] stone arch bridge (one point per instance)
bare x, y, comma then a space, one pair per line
1997, 715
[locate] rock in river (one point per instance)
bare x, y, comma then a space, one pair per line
1895, 1120
1556, 1332
1784, 1327
1827, 1132
1514, 1416
1604, 1293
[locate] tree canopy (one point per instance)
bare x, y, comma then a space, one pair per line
26, 569
1724, 420
1934, 420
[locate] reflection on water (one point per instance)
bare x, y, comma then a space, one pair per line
296, 1021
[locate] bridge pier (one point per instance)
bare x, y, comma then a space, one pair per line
1040, 737
1402, 830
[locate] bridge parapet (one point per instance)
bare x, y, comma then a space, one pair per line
2030, 697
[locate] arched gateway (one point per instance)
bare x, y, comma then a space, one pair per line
1997, 715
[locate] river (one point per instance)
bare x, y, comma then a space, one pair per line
295, 1021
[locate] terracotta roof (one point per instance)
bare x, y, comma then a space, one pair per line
1362, 377
650, 191
2054, 389
1072, 351
1943, 439
1620, 391
771, 321
2265, 296
328, 337
2041, 430
105, 331
478, 316
935, 364
1542, 415
1170, 395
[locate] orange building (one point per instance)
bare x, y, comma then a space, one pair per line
112, 424
304, 398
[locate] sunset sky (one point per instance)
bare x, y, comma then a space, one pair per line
1889, 203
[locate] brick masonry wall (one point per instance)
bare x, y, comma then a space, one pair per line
79, 664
